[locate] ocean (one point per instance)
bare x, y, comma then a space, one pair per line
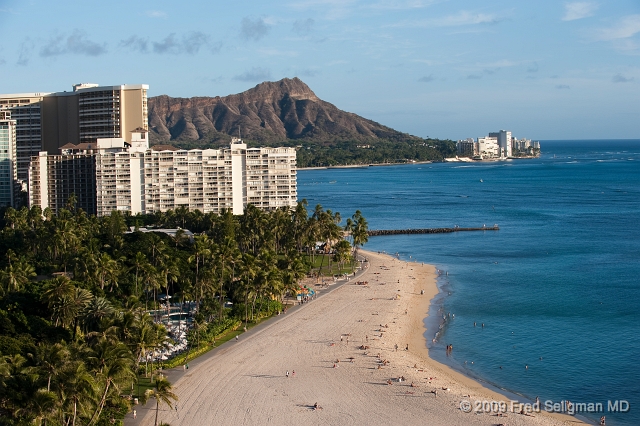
557, 287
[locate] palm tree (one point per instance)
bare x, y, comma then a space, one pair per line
107, 270
144, 337
50, 359
226, 253
150, 279
201, 251
299, 221
247, 272
65, 301
162, 393
76, 391
95, 312
358, 227
111, 363
342, 252
16, 275
138, 262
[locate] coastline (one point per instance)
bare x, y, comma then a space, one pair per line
476, 389
245, 381
363, 166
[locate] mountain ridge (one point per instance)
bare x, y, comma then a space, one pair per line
270, 112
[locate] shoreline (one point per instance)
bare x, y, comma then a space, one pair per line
364, 166
475, 384
347, 348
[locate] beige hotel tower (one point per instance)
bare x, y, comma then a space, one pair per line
46, 121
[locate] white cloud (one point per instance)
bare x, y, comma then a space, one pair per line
156, 14
462, 18
466, 18
76, 43
426, 79
278, 52
253, 29
254, 74
625, 28
499, 64
303, 27
619, 78
579, 10
332, 9
400, 4
189, 43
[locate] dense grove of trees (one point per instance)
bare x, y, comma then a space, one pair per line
374, 152
76, 290
366, 151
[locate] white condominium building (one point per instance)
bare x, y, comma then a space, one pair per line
488, 147
504, 142
136, 179
210, 180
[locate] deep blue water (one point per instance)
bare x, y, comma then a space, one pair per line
560, 279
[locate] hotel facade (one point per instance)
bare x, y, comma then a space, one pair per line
46, 121
25, 109
133, 178
8, 173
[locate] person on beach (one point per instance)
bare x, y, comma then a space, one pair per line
407, 348
293, 373
287, 374
396, 346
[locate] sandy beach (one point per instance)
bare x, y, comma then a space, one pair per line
342, 347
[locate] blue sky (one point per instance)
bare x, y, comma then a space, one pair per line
447, 69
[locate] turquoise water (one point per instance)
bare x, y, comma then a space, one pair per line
559, 281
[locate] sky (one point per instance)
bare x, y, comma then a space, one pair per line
447, 69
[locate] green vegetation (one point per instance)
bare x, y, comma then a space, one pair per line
78, 298
338, 152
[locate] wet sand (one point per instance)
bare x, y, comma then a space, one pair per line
246, 382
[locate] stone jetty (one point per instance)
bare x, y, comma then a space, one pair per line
379, 232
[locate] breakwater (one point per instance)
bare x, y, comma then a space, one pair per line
379, 232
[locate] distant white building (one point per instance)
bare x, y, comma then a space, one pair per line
504, 141
467, 148
488, 147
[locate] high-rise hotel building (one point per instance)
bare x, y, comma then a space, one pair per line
47, 121
8, 177
91, 112
25, 109
132, 178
